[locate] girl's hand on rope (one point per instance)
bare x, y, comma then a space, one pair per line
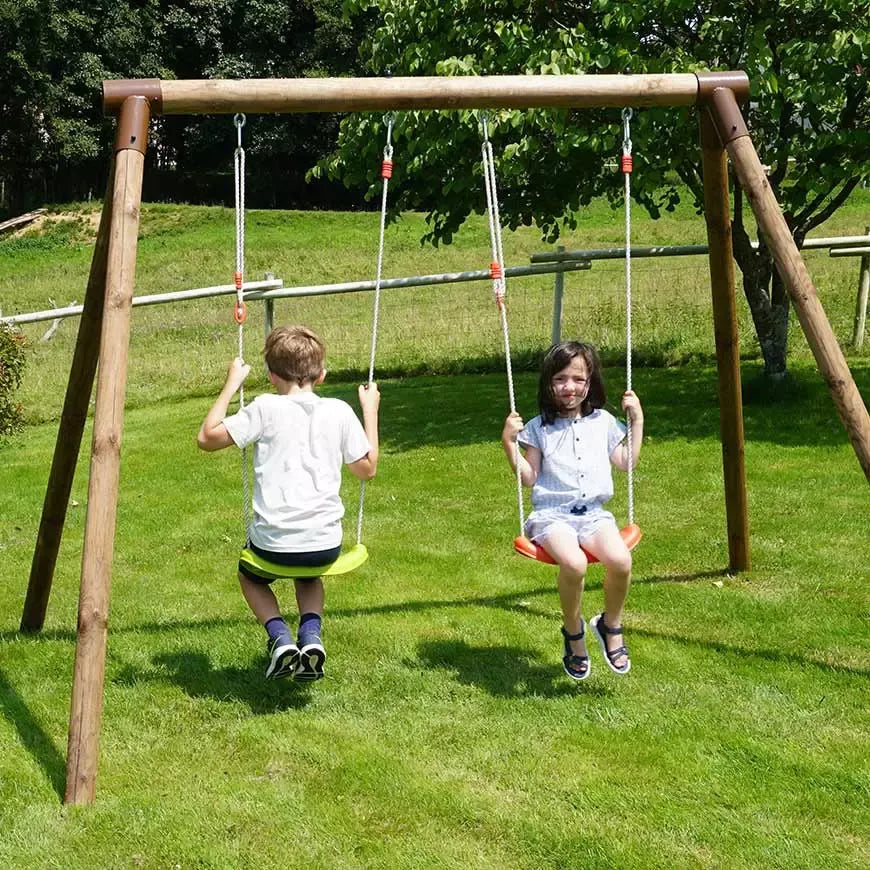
631, 405
236, 374
513, 425
369, 397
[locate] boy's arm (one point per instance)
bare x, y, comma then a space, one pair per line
369, 400
213, 435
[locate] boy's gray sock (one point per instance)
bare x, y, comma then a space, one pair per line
277, 628
309, 628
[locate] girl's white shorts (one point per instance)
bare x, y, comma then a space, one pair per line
540, 524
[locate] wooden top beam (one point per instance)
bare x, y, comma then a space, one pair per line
226, 96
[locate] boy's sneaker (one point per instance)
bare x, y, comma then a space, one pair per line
283, 658
311, 658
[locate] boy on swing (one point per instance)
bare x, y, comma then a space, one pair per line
300, 442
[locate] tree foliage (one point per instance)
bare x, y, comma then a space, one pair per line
54, 141
809, 113
11, 370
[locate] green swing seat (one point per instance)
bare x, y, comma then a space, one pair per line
348, 561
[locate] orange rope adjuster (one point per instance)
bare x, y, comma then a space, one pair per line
497, 275
626, 163
240, 312
387, 169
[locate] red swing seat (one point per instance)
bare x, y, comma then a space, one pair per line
631, 534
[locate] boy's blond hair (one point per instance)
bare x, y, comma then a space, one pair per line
295, 354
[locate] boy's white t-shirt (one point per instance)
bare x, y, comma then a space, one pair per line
301, 441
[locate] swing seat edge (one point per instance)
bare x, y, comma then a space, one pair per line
631, 534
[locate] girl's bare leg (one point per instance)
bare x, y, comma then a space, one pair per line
562, 545
610, 549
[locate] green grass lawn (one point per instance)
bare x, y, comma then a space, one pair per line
445, 733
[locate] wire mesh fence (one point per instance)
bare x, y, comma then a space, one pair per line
183, 348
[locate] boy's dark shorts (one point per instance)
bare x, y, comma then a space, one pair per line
309, 560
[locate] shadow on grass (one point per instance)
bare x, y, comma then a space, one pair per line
502, 671
507, 599
676, 578
192, 671
679, 403
32, 735
736, 651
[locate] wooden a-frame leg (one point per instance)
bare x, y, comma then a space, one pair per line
89, 670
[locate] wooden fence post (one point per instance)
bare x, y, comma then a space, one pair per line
861, 301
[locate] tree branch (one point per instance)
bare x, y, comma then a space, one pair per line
832, 205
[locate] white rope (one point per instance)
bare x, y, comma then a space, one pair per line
626, 172
499, 287
239, 171
386, 172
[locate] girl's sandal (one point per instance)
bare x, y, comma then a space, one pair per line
601, 631
576, 667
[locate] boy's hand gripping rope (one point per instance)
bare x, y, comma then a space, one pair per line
386, 174
627, 166
240, 311
499, 287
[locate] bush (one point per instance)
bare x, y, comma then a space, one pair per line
11, 369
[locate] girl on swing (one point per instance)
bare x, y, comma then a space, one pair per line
568, 451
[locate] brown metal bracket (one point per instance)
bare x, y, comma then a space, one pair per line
118, 90
720, 93
735, 80
133, 121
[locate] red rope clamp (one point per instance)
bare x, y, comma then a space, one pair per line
626, 141
387, 169
240, 312
238, 279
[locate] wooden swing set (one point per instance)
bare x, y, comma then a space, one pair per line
104, 329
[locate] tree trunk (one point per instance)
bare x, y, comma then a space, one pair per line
769, 306
766, 295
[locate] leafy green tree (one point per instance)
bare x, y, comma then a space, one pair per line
11, 369
54, 140
809, 114
56, 54
256, 39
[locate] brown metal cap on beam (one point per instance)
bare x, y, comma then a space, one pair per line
735, 80
133, 121
117, 90
726, 116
